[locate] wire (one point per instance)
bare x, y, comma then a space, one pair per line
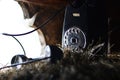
42, 25
24, 63
20, 44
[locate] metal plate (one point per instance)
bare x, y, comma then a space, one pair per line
74, 39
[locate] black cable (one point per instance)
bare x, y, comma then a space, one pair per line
20, 45
42, 25
24, 63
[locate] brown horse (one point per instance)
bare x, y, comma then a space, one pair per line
45, 9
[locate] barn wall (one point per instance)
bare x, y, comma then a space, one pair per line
113, 11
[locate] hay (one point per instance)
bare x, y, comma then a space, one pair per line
72, 66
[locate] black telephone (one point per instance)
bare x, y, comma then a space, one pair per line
84, 21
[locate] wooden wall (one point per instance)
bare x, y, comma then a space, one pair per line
113, 11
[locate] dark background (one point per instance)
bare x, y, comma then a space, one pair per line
113, 11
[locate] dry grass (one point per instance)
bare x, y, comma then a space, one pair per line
72, 66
